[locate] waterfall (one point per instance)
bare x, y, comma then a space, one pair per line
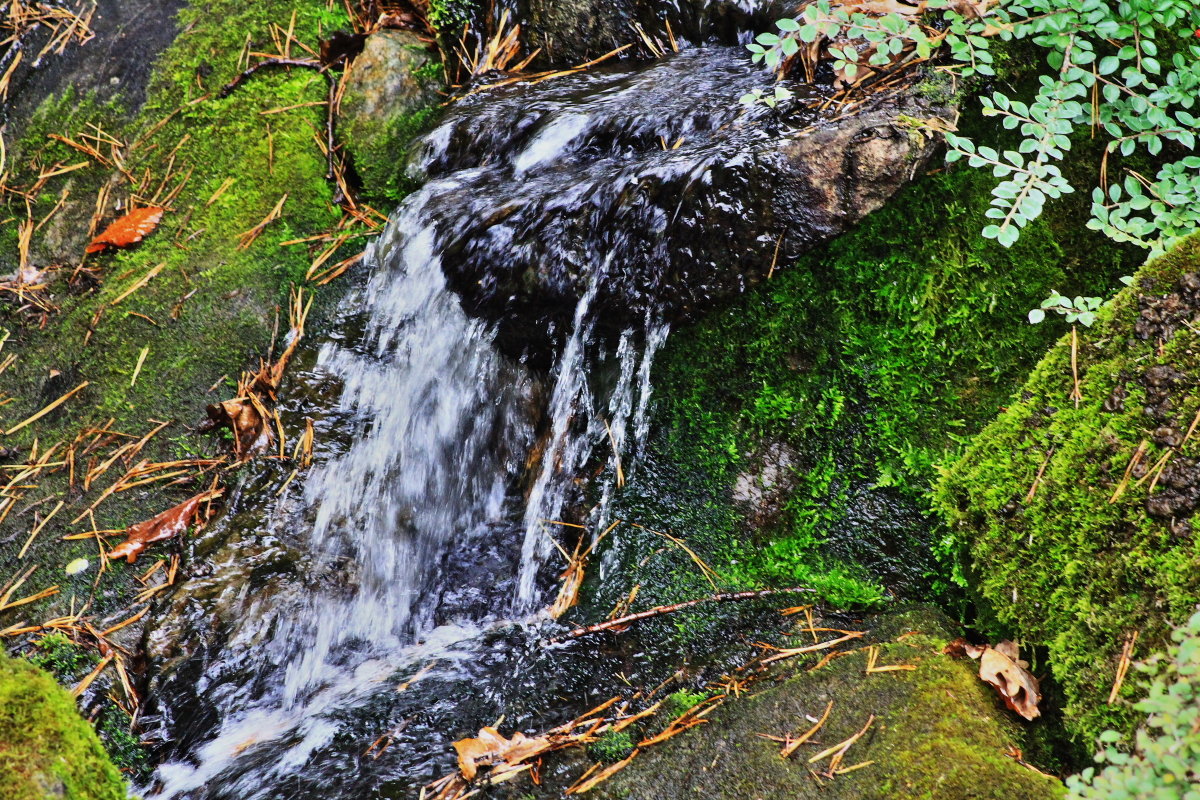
453, 440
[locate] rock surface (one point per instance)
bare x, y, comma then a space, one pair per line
651, 187
392, 84
576, 31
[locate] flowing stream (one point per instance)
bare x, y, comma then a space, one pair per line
457, 440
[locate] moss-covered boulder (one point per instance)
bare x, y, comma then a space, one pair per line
46, 749
938, 732
391, 93
1076, 517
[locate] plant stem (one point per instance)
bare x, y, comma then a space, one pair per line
1076, 395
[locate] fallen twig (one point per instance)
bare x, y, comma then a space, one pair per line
625, 621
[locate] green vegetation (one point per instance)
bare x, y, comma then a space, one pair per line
612, 745
46, 748
1124, 71
834, 388
62, 658
1073, 520
1166, 758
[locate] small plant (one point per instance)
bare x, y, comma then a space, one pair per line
682, 701
61, 657
756, 96
1080, 310
1165, 758
612, 746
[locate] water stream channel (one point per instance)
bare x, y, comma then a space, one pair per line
458, 415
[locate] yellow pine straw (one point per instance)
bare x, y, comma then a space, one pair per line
138, 369
38, 529
791, 746
842, 747
873, 659
46, 410
140, 283
86, 682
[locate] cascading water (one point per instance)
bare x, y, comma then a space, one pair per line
455, 443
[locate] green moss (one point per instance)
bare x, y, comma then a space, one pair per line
46, 748
1077, 563
449, 16
937, 732
61, 657
612, 746
681, 701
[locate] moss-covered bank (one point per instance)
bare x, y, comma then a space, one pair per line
938, 732
46, 749
1075, 520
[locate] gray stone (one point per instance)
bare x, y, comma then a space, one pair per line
390, 90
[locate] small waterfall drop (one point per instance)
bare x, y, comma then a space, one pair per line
448, 453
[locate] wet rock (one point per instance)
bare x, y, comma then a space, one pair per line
1115, 402
764, 487
1167, 436
1160, 317
649, 187
1179, 490
574, 31
393, 79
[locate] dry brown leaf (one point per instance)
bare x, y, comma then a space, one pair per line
1002, 667
490, 748
961, 648
129, 229
166, 525
249, 422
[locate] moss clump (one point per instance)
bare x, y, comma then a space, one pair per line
46, 748
61, 657
938, 732
612, 746
1074, 521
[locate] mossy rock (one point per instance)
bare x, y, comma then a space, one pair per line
1075, 519
939, 732
390, 95
46, 749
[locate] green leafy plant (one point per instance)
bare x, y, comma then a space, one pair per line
1080, 310
1164, 761
1104, 72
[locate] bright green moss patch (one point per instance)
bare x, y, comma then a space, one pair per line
46, 748
1080, 558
